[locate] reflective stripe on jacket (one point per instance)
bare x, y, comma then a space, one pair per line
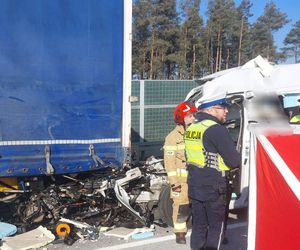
195, 151
180, 172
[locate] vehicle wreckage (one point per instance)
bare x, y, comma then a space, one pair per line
130, 197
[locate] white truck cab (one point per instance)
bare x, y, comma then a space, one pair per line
257, 93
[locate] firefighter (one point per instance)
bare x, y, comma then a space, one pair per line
210, 153
175, 165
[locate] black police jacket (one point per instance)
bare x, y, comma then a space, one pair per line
207, 184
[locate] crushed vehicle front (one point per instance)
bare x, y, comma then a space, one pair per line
126, 197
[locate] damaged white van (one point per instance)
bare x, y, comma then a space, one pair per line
260, 93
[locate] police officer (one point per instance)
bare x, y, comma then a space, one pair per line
175, 165
210, 154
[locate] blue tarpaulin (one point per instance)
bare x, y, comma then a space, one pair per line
61, 84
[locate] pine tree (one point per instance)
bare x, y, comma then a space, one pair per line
262, 40
164, 27
140, 38
166, 47
171, 34
191, 47
221, 33
271, 20
292, 42
244, 48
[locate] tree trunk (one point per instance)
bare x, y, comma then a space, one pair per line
152, 55
211, 56
227, 59
240, 42
217, 55
218, 50
220, 55
155, 66
194, 62
185, 51
208, 54
162, 66
143, 66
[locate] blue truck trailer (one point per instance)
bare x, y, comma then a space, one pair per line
65, 85
65, 77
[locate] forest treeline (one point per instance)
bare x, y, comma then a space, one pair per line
170, 39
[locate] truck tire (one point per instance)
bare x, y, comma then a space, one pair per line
165, 206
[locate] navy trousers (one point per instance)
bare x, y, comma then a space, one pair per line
208, 223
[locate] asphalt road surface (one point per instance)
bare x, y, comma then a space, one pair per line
163, 239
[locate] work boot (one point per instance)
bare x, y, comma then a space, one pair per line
180, 238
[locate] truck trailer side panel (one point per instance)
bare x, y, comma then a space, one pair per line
61, 86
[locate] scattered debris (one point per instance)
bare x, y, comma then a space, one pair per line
80, 206
7, 229
142, 235
105, 229
36, 238
90, 233
84, 230
127, 233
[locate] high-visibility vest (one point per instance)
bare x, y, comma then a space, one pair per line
295, 119
195, 151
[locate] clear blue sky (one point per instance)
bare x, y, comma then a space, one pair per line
290, 7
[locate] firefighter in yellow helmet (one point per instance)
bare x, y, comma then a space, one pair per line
175, 165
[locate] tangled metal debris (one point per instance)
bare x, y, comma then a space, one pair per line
115, 197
